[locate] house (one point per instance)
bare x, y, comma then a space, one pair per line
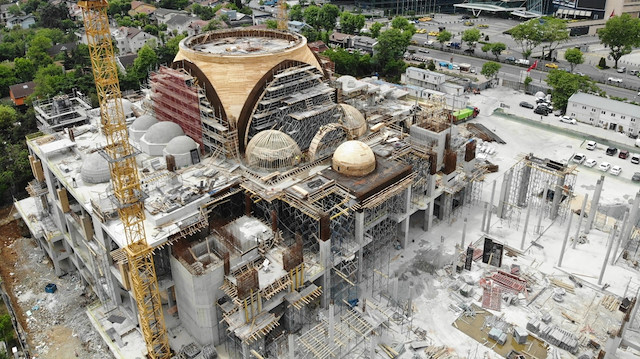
296, 26
338, 39
75, 11
161, 15
180, 23
130, 39
20, 92
4, 13
604, 112
318, 46
58, 48
364, 44
25, 21
196, 27
139, 7
125, 61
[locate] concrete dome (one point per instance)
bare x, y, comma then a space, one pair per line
271, 149
354, 158
180, 145
143, 123
95, 169
353, 120
162, 132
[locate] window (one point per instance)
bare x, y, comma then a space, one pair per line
584, 107
591, 119
623, 117
593, 110
633, 120
573, 114
604, 112
613, 115
574, 105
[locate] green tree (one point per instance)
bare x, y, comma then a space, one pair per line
375, 29
212, 25
25, 69
328, 15
121, 7
487, 47
431, 66
602, 64
312, 16
390, 49
621, 33
528, 35
51, 16
271, 24
497, 48
146, 60
14, 10
7, 79
296, 14
564, 84
354, 64
350, 23
37, 51
527, 81
443, 37
490, 69
403, 24
6, 327
471, 36
49, 81
574, 57
554, 32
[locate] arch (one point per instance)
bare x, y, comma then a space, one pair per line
210, 91
327, 139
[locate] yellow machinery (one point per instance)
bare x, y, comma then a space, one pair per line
282, 15
124, 175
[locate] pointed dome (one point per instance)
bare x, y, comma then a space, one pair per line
353, 120
354, 158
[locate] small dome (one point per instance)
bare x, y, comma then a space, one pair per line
95, 169
540, 94
143, 123
271, 149
162, 132
127, 106
180, 145
354, 158
353, 120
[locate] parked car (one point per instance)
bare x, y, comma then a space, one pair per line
510, 59
522, 62
623, 154
633, 72
551, 65
579, 158
636, 177
579, 73
465, 17
615, 79
590, 162
567, 119
592, 145
604, 166
611, 151
558, 113
622, 69
635, 158
525, 104
615, 170
469, 51
541, 110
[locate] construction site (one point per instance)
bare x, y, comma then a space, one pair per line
249, 204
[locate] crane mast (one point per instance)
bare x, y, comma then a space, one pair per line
125, 179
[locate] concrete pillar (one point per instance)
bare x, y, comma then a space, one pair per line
407, 211
428, 216
584, 206
292, 348
359, 232
504, 194
557, 196
594, 204
394, 286
405, 229
524, 185
484, 217
633, 218
464, 233
325, 259
542, 207
619, 238
634, 312
606, 257
493, 192
526, 225
331, 326
566, 237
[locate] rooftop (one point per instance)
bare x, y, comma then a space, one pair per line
606, 103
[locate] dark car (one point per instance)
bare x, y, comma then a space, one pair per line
623, 154
525, 104
611, 151
465, 17
510, 59
636, 177
541, 110
469, 51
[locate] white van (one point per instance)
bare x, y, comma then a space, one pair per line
522, 62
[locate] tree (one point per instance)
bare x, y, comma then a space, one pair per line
574, 57
350, 23
121, 7
527, 81
621, 33
37, 51
146, 60
272, 24
431, 66
528, 35
487, 47
14, 10
6, 327
354, 64
6, 79
554, 32
471, 36
403, 24
49, 80
212, 25
390, 49
375, 29
443, 37
25, 69
564, 84
328, 15
490, 69
312, 16
296, 14
602, 64
497, 48
51, 16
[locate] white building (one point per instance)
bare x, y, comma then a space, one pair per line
130, 39
604, 112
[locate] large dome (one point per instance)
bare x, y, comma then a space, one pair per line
180, 145
162, 132
353, 120
143, 123
271, 149
95, 169
354, 158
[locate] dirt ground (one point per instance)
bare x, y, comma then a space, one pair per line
56, 324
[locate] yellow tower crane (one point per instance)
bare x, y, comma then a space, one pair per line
282, 15
125, 179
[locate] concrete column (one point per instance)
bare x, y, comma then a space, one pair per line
542, 207
325, 259
594, 204
606, 257
394, 286
359, 232
524, 186
292, 348
405, 229
331, 326
634, 312
633, 218
584, 206
484, 217
526, 225
557, 196
464, 233
493, 192
566, 237
505, 188
619, 239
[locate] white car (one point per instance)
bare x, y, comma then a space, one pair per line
615, 79
591, 145
635, 158
567, 119
579, 158
615, 170
604, 166
590, 162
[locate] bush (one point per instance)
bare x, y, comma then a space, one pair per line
603, 64
431, 66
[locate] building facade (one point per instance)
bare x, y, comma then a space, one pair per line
603, 112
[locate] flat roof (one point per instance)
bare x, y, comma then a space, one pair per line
606, 103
